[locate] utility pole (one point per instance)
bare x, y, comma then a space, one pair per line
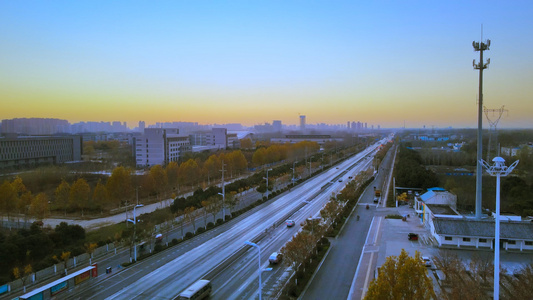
480, 46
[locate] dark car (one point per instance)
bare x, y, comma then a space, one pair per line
290, 223
412, 236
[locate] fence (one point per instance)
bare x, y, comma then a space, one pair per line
57, 269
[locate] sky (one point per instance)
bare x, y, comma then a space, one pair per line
381, 62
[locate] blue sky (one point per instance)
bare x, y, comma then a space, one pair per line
381, 62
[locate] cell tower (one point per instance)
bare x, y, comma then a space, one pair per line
480, 46
493, 132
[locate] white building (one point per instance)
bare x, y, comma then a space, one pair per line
437, 210
159, 146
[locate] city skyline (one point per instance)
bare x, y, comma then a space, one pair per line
252, 63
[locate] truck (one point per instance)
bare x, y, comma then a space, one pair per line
377, 196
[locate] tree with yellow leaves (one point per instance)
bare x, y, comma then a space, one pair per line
401, 277
23, 274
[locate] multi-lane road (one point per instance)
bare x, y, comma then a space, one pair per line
221, 255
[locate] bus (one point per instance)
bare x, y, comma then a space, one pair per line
201, 289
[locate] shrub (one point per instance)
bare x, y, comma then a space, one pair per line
189, 235
220, 221
175, 241
200, 230
393, 217
158, 248
210, 225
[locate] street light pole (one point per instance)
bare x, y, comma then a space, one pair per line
259, 258
498, 169
134, 221
223, 195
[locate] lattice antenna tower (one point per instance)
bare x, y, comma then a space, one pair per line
493, 131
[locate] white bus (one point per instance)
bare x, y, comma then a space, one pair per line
201, 289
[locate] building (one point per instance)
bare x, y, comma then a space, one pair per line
35, 126
277, 126
470, 233
159, 146
30, 151
302, 123
437, 210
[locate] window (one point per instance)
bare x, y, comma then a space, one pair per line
466, 239
529, 243
447, 238
511, 242
482, 240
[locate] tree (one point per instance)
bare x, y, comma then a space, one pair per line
172, 171
79, 195
160, 178
246, 144
23, 275
63, 258
119, 186
401, 277
90, 247
297, 250
62, 195
259, 157
39, 207
100, 197
190, 215
24, 203
188, 172
7, 198
211, 167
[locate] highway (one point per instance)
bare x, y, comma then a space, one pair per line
166, 274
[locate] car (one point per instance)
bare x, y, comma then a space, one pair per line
427, 261
340, 180
290, 223
412, 236
275, 258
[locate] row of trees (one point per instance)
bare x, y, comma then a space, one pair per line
280, 152
15, 198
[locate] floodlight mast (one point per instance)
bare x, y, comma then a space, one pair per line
480, 46
498, 169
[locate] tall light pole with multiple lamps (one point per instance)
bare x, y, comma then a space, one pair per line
134, 221
498, 169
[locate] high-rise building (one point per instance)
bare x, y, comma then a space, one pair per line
142, 126
302, 123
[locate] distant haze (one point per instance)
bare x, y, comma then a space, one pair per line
252, 62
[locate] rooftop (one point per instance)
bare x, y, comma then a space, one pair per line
483, 228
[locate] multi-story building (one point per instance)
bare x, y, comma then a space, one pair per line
159, 146
29, 151
218, 138
34, 126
